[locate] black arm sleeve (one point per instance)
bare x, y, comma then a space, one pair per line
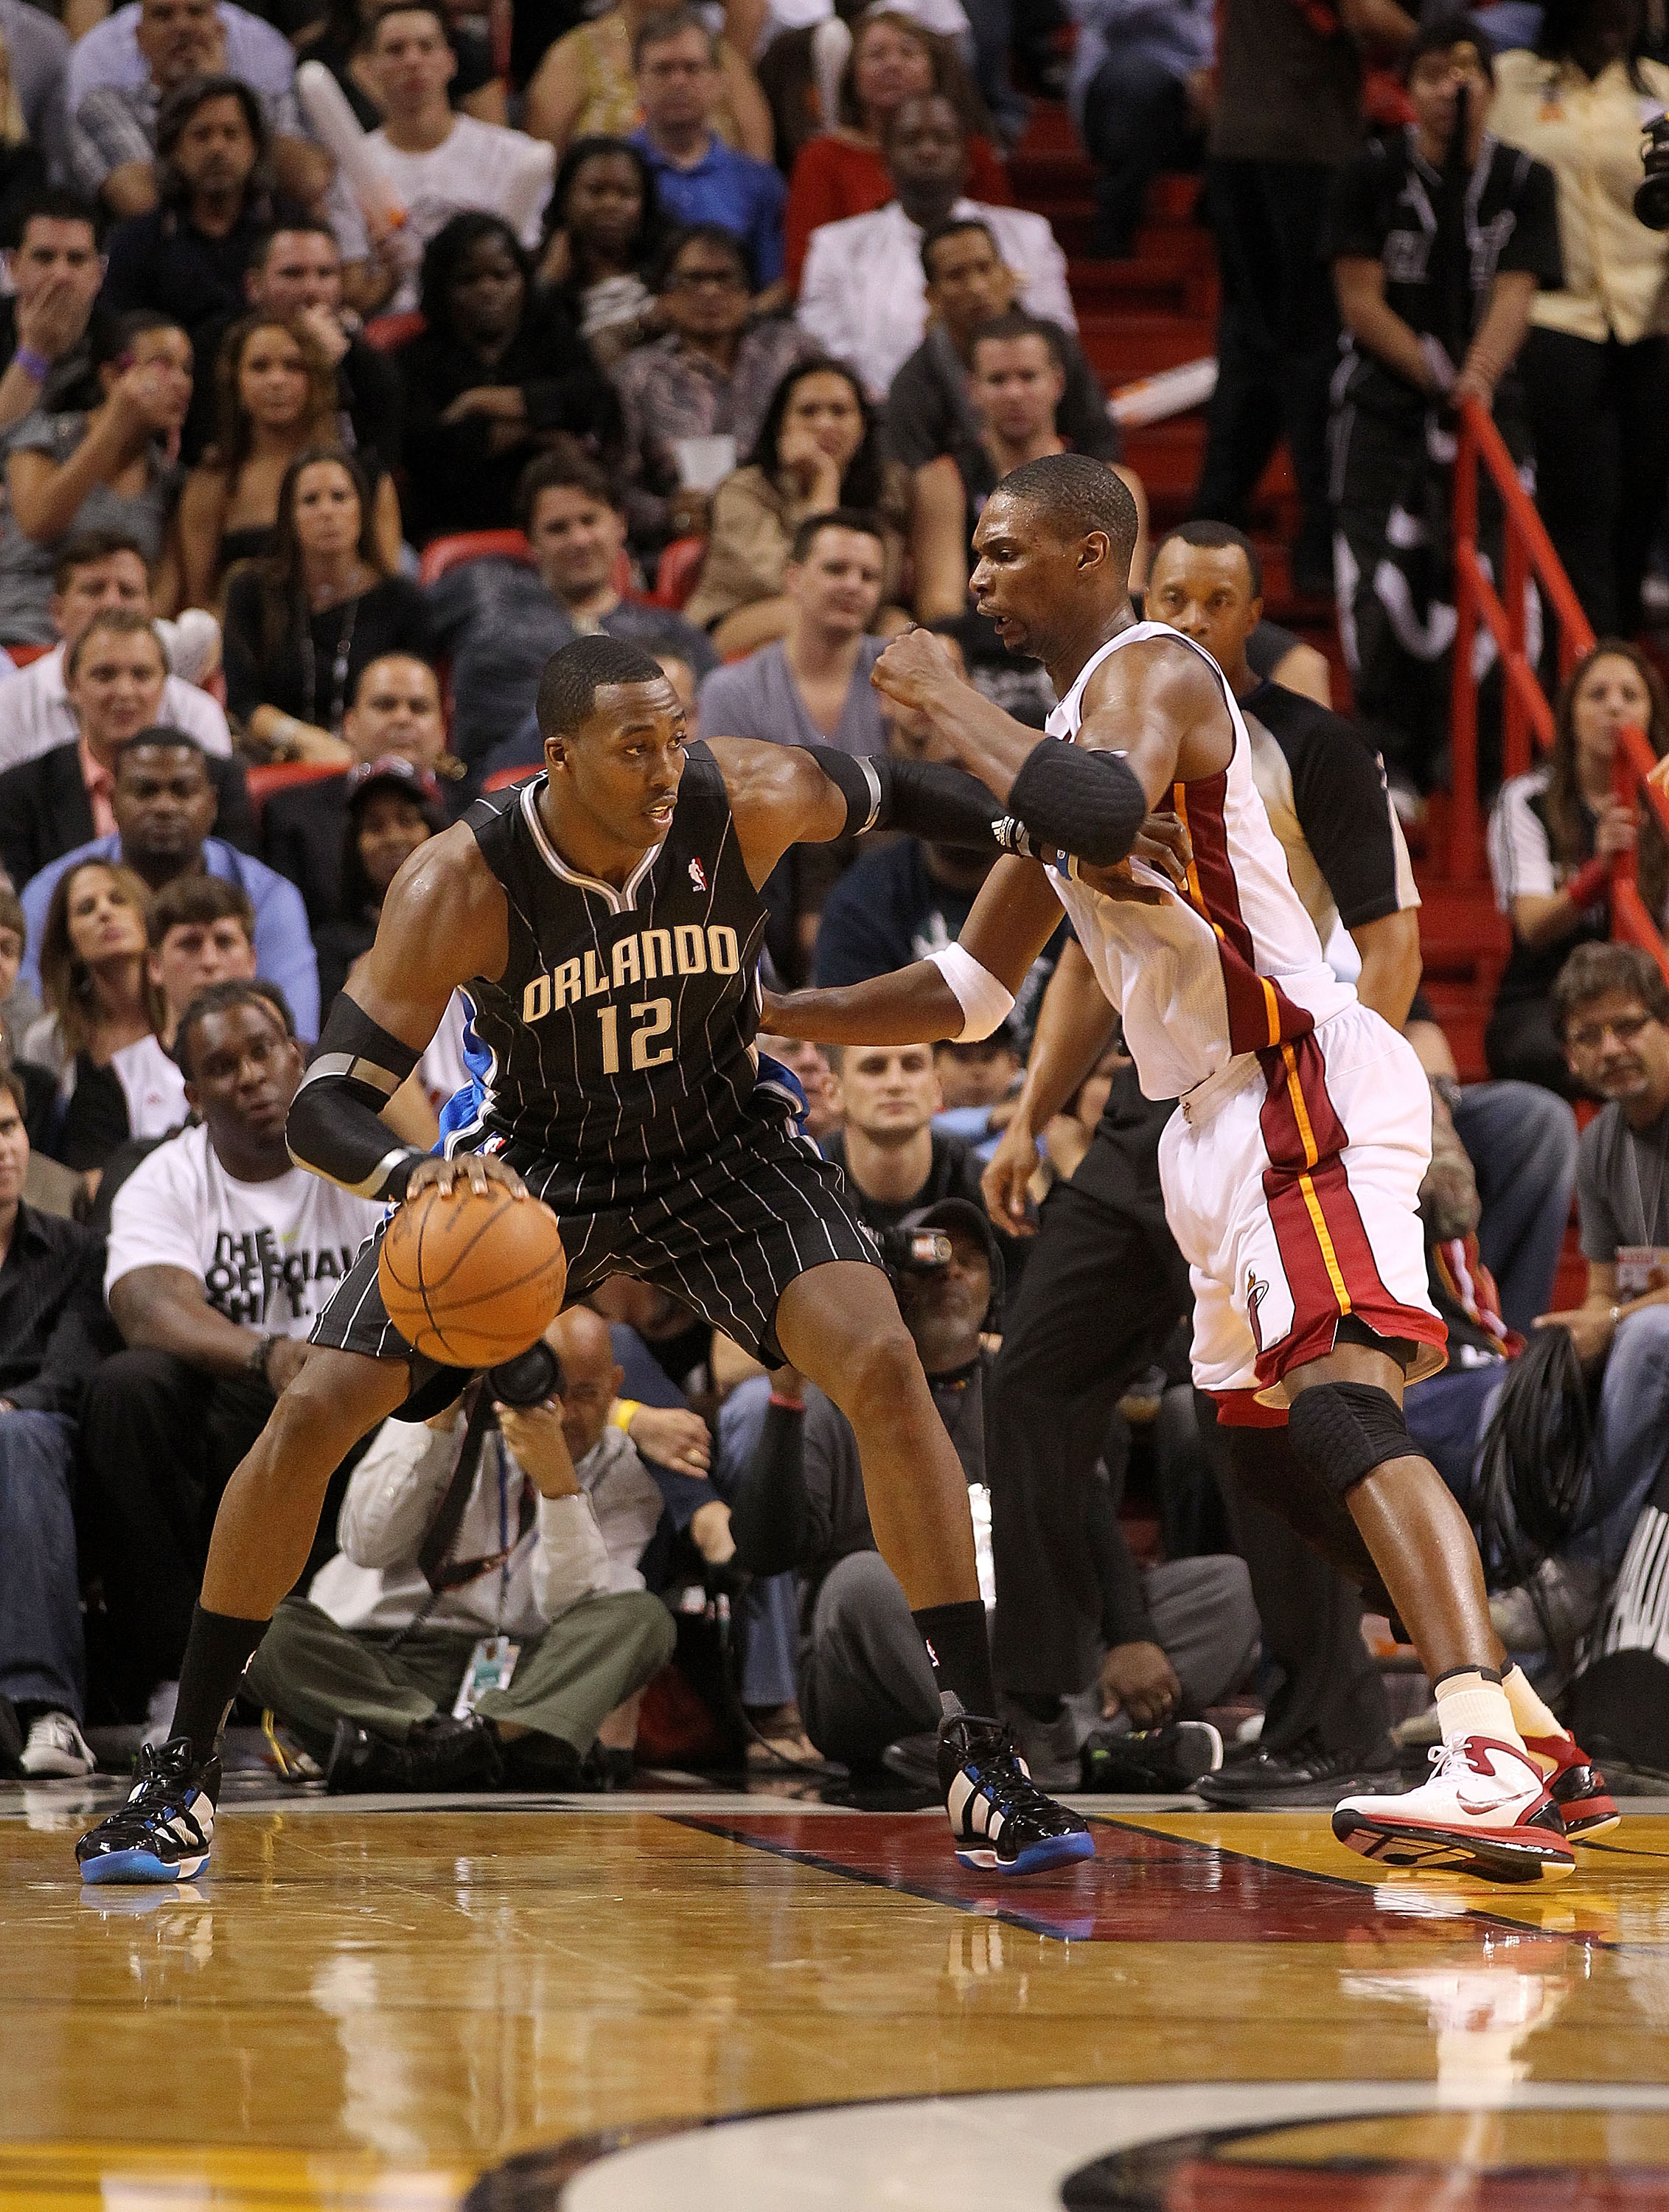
928, 798
1084, 803
770, 1513
335, 1126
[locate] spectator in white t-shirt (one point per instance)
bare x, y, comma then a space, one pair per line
200, 930
221, 1253
437, 163
97, 570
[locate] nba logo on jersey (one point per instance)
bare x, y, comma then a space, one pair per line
698, 876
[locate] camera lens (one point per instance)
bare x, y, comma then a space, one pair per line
528, 1379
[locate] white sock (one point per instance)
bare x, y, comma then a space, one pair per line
1472, 1701
1532, 1716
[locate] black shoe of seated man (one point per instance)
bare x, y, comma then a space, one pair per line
1303, 1774
1150, 1761
609, 1766
1000, 1820
437, 1754
540, 1762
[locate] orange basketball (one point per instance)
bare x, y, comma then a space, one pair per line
470, 1280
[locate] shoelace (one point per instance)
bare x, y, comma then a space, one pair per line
1014, 1791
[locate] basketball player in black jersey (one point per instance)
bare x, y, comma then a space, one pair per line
604, 924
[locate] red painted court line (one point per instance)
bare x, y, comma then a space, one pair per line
1144, 1886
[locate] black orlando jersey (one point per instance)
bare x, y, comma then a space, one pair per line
619, 1041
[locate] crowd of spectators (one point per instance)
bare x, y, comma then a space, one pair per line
725, 328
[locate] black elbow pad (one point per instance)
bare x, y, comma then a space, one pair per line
1088, 804
928, 798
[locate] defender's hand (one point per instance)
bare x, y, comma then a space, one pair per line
912, 669
479, 1171
1162, 843
1007, 1174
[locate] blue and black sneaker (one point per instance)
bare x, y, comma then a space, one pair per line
1000, 1820
163, 1831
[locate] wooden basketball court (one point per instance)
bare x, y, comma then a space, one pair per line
382, 2007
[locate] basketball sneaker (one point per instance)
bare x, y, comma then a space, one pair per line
1000, 1821
1485, 1810
1575, 1785
163, 1831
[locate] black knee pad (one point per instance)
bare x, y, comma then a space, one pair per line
1341, 1431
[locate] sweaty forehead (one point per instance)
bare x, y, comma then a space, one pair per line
617, 708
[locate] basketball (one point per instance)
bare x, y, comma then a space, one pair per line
471, 1278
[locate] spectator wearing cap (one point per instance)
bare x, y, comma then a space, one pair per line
498, 622
698, 178
557, 1515
164, 803
304, 623
54, 1332
116, 131
1177, 1638
395, 715
391, 808
115, 685
864, 297
712, 375
221, 1253
94, 572
968, 284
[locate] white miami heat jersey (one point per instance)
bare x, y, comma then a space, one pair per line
1234, 966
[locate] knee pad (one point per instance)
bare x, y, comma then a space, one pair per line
1341, 1431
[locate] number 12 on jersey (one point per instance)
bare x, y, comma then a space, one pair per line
655, 1020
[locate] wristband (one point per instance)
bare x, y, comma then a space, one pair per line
35, 365
986, 1003
623, 1413
1589, 883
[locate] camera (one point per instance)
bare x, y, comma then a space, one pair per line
1651, 201
528, 1379
915, 1251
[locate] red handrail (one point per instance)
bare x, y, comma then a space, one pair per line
1526, 712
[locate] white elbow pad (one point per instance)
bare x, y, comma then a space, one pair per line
985, 1005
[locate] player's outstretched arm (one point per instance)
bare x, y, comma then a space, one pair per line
444, 921
1146, 711
966, 990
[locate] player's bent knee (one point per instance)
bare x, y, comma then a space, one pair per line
878, 1378
1339, 1433
335, 1399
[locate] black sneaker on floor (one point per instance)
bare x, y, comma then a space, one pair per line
437, 1754
162, 1833
1153, 1761
1001, 1821
1303, 1775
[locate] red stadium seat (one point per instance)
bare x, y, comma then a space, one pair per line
387, 332
443, 553
281, 775
679, 571
503, 778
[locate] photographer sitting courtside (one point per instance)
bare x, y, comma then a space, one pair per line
1177, 1637
533, 1613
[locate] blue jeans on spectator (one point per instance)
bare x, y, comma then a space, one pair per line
1447, 1417
42, 1659
768, 1616
1136, 123
1522, 1143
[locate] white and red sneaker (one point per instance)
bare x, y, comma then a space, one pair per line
1486, 1810
1575, 1785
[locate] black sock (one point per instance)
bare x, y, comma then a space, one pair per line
217, 1650
960, 1652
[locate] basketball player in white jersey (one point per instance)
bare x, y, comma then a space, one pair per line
1292, 1166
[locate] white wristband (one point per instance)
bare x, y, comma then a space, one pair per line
985, 1005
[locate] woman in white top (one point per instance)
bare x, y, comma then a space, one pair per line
1553, 836
99, 999
1596, 364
